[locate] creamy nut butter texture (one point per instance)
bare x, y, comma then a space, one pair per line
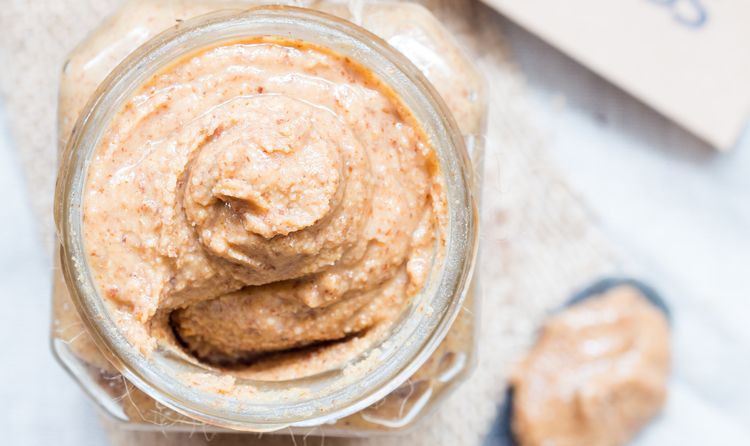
413, 31
259, 197
597, 374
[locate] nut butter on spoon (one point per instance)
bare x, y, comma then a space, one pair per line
597, 373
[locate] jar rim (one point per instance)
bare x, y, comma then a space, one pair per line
443, 295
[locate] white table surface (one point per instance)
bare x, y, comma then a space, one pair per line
678, 211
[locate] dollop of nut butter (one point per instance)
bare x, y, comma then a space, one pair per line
258, 198
597, 374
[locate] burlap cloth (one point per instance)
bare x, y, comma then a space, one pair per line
539, 243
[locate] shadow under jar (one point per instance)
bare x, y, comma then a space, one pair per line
400, 373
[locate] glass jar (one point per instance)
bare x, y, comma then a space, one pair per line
413, 376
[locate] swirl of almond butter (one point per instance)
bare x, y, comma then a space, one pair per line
257, 197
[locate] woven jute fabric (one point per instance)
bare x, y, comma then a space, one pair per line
538, 241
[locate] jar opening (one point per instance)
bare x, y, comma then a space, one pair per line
315, 399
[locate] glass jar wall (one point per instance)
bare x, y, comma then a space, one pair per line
410, 29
